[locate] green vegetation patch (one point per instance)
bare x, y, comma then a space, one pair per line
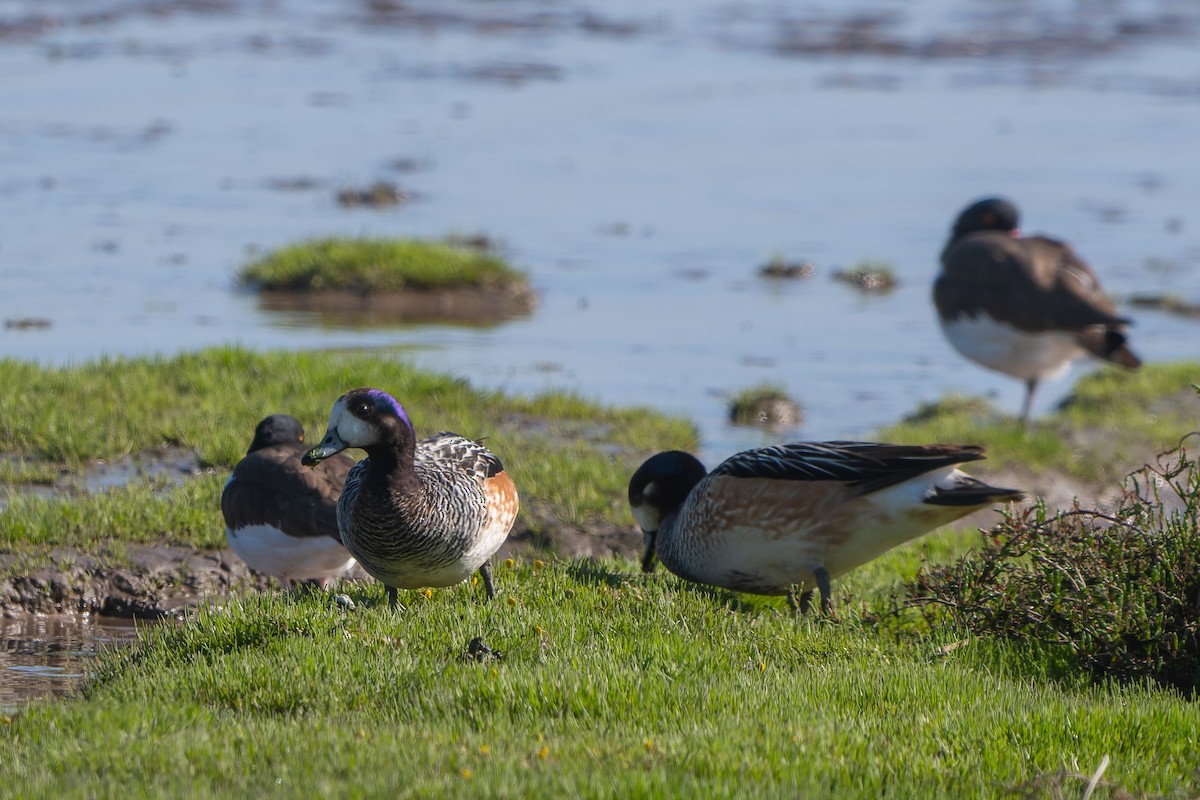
1112, 592
608, 684
767, 404
571, 459
379, 265
1113, 422
600, 681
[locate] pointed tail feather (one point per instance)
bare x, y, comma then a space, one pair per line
972, 492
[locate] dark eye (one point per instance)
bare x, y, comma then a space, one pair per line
362, 409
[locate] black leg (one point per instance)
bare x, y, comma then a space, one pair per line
806, 602
800, 604
1030, 386
486, 572
822, 576
393, 597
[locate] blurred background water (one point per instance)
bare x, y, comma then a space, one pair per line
641, 160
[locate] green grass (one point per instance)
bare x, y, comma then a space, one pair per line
1114, 421
571, 459
611, 685
378, 265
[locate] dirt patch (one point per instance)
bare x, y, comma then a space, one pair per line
147, 582
153, 582
358, 309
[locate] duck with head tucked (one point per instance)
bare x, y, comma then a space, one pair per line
1023, 305
767, 520
415, 514
280, 518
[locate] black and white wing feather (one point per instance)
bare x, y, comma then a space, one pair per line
866, 465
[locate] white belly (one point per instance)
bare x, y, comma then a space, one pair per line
1003, 348
268, 550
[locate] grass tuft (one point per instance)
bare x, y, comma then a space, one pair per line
378, 265
869, 276
767, 404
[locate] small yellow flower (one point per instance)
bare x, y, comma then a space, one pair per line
466, 773
474, 580
538, 563
649, 745
544, 753
762, 667
539, 630
484, 749
512, 601
510, 562
428, 593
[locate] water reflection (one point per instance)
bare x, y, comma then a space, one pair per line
42, 655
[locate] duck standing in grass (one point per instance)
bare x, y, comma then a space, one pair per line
416, 514
766, 520
280, 518
1024, 306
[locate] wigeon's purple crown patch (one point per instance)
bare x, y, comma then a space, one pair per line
382, 398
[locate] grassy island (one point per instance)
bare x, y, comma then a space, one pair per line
379, 266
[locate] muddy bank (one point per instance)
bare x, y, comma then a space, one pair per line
151, 582
487, 306
142, 581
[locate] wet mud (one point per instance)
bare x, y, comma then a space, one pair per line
162, 581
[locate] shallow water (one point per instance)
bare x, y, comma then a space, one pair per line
640, 160
42, 655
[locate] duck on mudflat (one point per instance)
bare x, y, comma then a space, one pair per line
416, 513
281, 518
769, 519
1025, 306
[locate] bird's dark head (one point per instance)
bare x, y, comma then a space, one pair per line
657, 490
364, 418
989, 214
275, 430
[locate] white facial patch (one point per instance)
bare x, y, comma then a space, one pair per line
647, 517
353, 431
